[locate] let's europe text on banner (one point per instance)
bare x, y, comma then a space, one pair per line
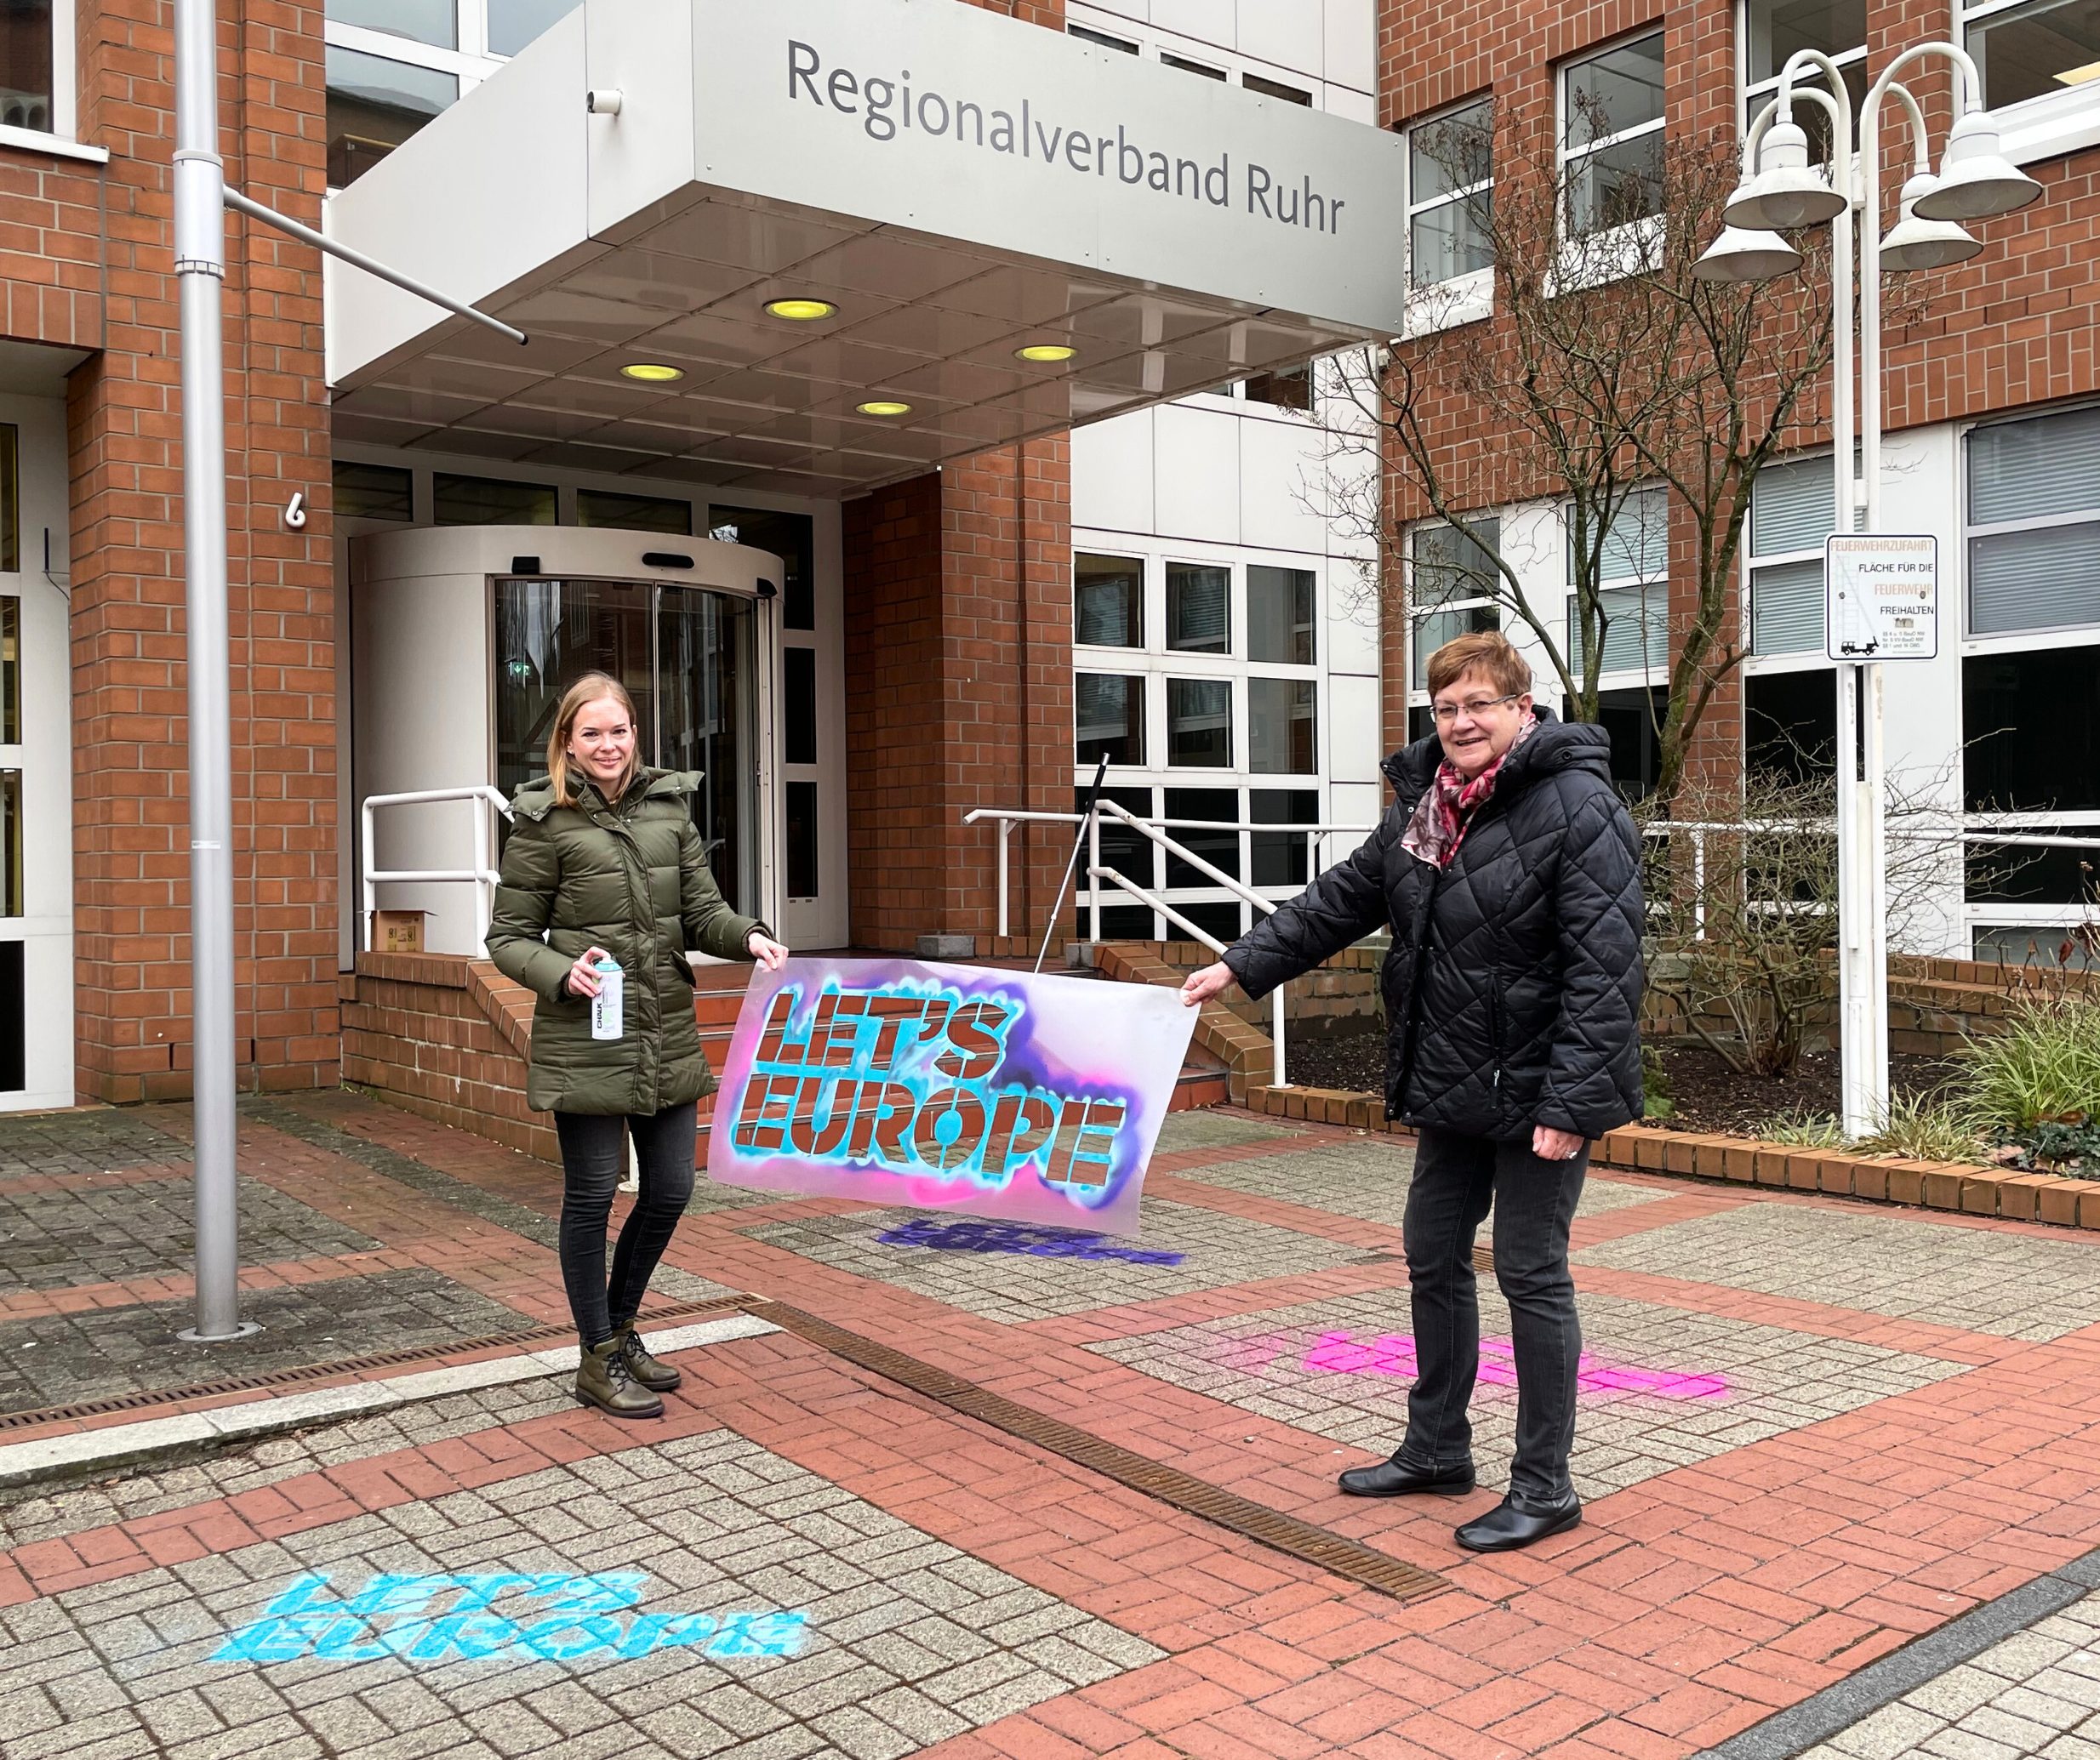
1034, 1099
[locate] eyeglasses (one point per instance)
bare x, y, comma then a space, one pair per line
1447, 713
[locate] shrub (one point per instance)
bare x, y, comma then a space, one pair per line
1926, 1128
2044, 1069
1800, 1128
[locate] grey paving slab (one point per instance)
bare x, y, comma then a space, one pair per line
1368, 1179
1981, 1279
93, 1140
695, 1597
1662, 1387
50, 1240
1217, 1249
58, 1360
1202, 1130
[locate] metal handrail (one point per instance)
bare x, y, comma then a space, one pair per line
483, 874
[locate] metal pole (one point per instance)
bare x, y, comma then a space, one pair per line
200, 272
1079, 842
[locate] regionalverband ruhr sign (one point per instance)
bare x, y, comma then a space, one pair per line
962, 1088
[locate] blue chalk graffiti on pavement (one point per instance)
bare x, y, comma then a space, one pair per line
1018, 1238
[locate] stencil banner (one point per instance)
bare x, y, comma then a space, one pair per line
949, 1088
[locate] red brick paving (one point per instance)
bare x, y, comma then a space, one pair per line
1683, 1611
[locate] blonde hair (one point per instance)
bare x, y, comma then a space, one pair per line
591, 688
1486, 651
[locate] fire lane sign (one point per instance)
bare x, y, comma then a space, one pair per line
1880, 596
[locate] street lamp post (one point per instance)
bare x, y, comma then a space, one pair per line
1781, 191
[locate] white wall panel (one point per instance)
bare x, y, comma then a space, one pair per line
1202, 21
1356, 739
1282, 471
1290, 33
1198, 489
1353, 804
1112, 473
1352, 625
1351, 44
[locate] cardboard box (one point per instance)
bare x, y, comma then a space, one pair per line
398, 931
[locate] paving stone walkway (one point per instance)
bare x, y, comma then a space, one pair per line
1841, 1467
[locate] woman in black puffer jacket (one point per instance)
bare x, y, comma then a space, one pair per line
1509, 871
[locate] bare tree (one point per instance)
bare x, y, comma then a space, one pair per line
1606, 378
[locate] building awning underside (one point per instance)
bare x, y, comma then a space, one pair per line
511, 200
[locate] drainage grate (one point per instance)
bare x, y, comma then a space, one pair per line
1347, 1558
533, 1338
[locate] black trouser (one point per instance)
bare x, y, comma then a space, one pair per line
594, 1160
1455, 1180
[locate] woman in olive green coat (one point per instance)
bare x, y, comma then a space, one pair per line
603, 859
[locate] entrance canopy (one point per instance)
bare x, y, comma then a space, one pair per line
943, 187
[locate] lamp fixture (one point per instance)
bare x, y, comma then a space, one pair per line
1742, 255
653, 372
1976, 180
1787, 191
1915, 243
883, 407
1045, 352
802, 310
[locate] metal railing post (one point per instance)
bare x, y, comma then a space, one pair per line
1276, 998
1093, 861
1006, 839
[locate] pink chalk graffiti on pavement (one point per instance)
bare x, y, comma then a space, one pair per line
1393, 1354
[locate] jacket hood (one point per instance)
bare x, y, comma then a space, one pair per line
534, 800
1555, 747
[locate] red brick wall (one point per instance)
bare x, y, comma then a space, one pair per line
131, 847
959, 692
2013, 326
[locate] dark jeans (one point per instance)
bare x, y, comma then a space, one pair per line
1455, 1180
594, 1160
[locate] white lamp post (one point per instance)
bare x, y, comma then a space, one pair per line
1781, 190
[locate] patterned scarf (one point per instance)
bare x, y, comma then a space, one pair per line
1449, 804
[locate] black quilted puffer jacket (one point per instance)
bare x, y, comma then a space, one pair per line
1512, 989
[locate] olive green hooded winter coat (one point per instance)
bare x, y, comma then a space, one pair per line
633, 880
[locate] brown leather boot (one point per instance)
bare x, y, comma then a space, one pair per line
658, 1377
602, 1380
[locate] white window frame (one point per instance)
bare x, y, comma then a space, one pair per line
2044, 127
1459, 299
1152, 44
2001, 641
1631, 238
1648, 583
1418, 697
1808, 659
59, 137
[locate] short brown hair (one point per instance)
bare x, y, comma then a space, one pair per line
1488, 652
591, 688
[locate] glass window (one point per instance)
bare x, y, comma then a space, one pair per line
1633, 580
1451, 571
10, 671
1221, 918
1772, 30
1182, 63
374, 106
1130, 853
26, 64
1291, 389
1199, 723
490, 501
1449, 194
1276, 89
11, 904
14, 1020
10, 499
512, 24
1280, 615
374, 491
435, 22
798, 668
1100, 39
2033, 535
792, 537
1282, 727
1790, 724
1279, 858
1199, 608
2031, 722
1108, 713
1791, 516
1612, 136
1108, 601
802, 840
1631, 718
2031, 51
548, 633
634, 513
1221, 848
